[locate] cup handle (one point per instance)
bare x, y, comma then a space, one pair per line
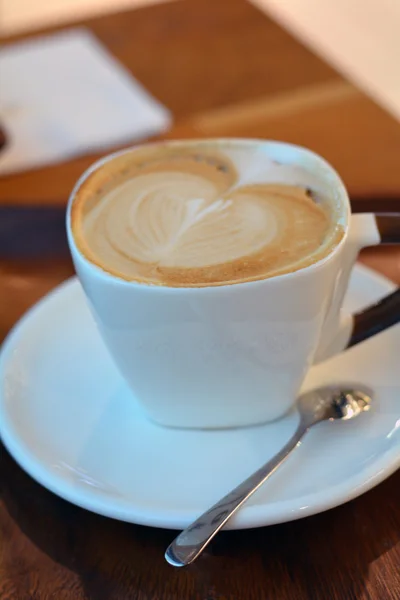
356, 328
375, 318
385, 313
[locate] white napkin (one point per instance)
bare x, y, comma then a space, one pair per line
63, 95
359, 38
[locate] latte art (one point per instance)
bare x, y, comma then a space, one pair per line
174, 219
183, 218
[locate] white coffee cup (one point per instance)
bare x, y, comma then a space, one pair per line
230, 355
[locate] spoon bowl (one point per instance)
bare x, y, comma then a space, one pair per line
333, 403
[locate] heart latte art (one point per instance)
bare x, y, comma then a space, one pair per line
181, 217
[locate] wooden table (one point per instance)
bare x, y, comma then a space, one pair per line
223, 68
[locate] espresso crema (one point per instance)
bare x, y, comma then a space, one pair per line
200, 215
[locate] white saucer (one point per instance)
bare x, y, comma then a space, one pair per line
69, 421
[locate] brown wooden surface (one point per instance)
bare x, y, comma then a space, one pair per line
223, 68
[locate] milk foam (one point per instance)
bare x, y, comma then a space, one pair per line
199, 218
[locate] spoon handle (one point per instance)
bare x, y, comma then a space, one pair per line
193, 540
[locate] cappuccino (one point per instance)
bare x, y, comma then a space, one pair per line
201, 214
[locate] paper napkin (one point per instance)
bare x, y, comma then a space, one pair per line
63, 95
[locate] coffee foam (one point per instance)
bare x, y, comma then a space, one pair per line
192, 216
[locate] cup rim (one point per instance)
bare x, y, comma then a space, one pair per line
204, 141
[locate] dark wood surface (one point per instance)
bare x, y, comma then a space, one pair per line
223, 68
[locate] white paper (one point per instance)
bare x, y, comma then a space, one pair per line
64, 95
360, 38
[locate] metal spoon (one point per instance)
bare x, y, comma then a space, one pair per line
328, 403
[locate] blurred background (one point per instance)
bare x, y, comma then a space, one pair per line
26, 15
81, 78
